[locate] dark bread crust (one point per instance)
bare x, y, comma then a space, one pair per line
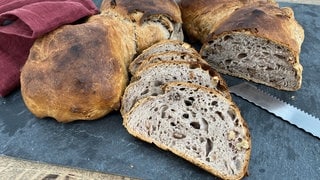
202, 17
266, 21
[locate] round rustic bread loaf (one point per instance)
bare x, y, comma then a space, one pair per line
76, 72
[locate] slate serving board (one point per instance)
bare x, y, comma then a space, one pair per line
279, 150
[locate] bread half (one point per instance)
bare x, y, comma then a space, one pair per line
260, 43
197, 124
252, 39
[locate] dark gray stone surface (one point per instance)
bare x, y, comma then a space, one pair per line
279, 150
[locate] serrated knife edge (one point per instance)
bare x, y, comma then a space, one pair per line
281, 109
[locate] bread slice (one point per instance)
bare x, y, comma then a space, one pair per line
197, 124
158, 48
170, 56
148, 81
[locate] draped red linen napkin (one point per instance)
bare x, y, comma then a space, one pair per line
22, 22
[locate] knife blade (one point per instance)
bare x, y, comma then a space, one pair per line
278, 107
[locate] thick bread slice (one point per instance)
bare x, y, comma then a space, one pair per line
158, 48
149, 80
197, 124
259, 43
170, 56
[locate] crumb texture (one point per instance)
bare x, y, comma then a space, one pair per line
253, 58
200, 125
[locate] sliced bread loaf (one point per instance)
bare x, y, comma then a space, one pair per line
158, 48
148, 81
197, 124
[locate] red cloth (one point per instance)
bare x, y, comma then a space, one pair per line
22, 21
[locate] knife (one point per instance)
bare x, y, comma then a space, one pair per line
278, 107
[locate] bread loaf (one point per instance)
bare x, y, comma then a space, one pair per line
65, 78
197, 124
148, 81
254, 40
79, 72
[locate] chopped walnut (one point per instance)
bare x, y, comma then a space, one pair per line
231, 135
215, 80
242, 145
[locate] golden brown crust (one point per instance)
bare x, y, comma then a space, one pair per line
148, 7
75, 73
202, 17
124, 36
